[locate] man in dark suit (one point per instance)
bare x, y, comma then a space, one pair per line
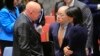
87, 16
58, 31
26, 39
94, 5
95, 8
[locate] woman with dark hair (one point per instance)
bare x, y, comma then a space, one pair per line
76, 15
78, 33
87, 17
8, 16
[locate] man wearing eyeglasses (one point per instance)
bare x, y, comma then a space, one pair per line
87, 16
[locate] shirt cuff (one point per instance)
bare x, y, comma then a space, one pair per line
98, 7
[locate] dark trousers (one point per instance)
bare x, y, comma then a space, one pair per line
4, 44
96, 32
48, 48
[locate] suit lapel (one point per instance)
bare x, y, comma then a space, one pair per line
65, 37
66, 34
56, 34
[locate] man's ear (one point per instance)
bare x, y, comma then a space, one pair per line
29, 11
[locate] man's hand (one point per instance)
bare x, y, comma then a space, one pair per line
67, 51
98, 6
87, 51
0, 50
98, 41
39, 29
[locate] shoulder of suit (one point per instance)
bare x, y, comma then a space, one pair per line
77, 27
55, 24
81, 4
21, 19
60, 3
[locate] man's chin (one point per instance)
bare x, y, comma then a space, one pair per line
58, 21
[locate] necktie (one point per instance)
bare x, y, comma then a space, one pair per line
60, 35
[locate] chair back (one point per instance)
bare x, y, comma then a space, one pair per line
7, 51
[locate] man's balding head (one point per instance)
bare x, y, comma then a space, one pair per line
63, 8
61, 15
33, 10
32, 5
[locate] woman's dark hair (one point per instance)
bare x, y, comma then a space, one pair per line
1, 4
76, 13
10, 4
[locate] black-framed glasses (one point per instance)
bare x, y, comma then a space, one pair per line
61, 15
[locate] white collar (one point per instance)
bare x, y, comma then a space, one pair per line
65, 26
27, 16
72, 3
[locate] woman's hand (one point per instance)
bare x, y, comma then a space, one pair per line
67, 51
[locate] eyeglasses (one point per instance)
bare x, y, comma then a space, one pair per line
61, 15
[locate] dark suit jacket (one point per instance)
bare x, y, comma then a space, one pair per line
87, 17
53, 35
77, 40
96, 18
26, 39
92, 5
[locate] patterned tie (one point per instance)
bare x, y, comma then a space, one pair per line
60, 36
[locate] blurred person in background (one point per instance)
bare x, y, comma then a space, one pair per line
21, 5
48, 5
8, 16
94, 5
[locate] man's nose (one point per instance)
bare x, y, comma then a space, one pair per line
58, 16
